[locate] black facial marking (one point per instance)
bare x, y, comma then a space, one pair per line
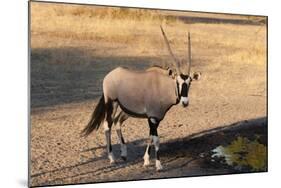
184, 90
178, 93
184, 77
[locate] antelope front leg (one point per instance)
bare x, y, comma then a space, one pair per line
156, 144
153, 125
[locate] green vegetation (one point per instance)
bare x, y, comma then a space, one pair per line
243, 153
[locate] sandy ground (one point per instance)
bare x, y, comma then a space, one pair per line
59, 155
66, 76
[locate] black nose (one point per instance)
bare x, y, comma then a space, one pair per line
185, 104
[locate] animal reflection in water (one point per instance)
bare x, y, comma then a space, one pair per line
143, 94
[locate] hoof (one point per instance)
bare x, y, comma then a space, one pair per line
112, 161
146, 160
146, 163
111, 158
158, 165
124, 158
158, 169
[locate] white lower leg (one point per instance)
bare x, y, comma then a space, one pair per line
111, 157
158, 165
146, 156
156, 144
107, 132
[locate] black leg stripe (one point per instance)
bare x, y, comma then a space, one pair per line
153, 132
157, 155
149, 150
153, 127
120, 136
122, 140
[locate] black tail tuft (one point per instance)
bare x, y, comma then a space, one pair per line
96, 119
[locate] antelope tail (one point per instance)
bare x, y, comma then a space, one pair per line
96, 119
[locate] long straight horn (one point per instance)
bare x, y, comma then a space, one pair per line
170, 50
189, 53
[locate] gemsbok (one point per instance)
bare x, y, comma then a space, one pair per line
142, 94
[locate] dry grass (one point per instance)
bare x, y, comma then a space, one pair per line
92, 23
55, 26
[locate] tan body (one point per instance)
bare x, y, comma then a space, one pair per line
140, 93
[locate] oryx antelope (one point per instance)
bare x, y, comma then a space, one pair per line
143, 94
166, 71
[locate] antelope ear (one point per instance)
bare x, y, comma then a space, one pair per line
196, 76
170, 71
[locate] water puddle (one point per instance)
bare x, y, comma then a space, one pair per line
242, 154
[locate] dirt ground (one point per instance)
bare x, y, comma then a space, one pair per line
229, 101
59, 155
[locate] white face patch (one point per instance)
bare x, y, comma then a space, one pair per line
187, 81
184, 100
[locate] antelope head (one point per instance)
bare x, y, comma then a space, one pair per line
183, 78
